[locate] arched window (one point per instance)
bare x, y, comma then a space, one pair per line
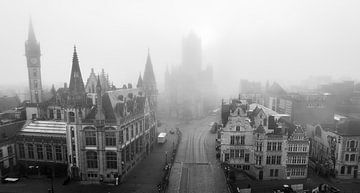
111, 160
342, 170
71, 116
91, 159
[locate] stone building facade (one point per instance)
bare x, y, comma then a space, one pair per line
261, 148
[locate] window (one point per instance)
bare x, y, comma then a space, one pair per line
269, 146
268, 160
127, 133
34, 73
258, 146
71, 116
246, 167
226, 156
349, 170
10, 150
30, 150
247, 157
346, 157
242, 140
265, 122
352, 157
237, 138
279, 146
232, 153
35, 84
121, 137
271, 172
48, 149
273, 159
278, 160
39, 150
141, 126
21, 150
58, 114
132, 131
90, 137
290, 147
1, 153
274, 146
276, 173
136, 129
111, 160
258, 160
242, 153
72, 132
342, 171
232, 140
91, 158
51, 114
237, 128
304, 148
110, 138
237, 153
58, 153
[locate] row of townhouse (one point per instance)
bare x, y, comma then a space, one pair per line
263, 143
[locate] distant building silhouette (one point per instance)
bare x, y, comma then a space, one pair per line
189, 90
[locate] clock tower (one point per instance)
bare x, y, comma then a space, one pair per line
32, 52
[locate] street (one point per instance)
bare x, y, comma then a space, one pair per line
196, 168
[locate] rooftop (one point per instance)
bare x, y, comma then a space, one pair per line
44, 127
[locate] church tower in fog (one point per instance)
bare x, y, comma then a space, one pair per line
32, 52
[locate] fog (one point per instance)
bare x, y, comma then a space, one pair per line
284, 41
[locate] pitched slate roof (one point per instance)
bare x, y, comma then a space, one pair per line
118, 104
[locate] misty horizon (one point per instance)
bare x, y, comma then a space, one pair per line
239, 41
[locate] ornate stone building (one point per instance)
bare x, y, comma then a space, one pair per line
99, 133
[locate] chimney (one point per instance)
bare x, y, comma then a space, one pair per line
65, 85
129, 85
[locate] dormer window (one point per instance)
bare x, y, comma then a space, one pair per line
237, 128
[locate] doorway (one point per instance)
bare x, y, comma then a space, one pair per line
261, 173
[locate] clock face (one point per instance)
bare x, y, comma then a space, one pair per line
33, 60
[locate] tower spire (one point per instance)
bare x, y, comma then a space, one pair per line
76, 86
31, 35
149, 77
140, 82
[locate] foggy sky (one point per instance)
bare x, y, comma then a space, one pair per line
259, 40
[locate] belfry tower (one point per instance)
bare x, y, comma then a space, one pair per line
32, 52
